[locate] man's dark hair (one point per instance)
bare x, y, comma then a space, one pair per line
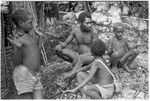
82, 16
21, 15
98, 48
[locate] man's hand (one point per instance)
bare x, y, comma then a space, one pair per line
58, 47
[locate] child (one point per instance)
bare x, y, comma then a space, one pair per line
26, 57
101, 79
119, 49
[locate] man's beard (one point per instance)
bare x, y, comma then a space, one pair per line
84, 28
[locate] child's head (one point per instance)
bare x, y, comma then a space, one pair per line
98, 48
118, 29
23, 20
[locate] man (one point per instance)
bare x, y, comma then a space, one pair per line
83, 36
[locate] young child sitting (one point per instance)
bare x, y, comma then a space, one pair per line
26, 57
119, 50
99, 81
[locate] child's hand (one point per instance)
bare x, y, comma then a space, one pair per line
14, 40
11, 38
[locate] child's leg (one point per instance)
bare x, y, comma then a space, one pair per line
126, 56
132, 58
92, 91
89, 90
37, 94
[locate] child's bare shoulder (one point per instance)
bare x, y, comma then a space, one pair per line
100, 63
97, 62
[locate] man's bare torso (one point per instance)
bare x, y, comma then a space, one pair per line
83, 40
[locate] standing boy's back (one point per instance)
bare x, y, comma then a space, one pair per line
26, 78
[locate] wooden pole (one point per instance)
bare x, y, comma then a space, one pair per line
35, 24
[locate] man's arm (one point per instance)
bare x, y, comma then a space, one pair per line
69, 39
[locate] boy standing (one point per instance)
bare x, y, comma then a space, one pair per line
26, 57
101, 79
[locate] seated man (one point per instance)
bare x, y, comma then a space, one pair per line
83, 36
120, 50
99, 81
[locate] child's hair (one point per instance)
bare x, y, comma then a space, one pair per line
82, 16
98, 48
118, 27
21, 15
114, 61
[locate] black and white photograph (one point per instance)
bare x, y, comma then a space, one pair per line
74, 50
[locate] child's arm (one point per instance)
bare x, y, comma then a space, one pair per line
85, 68
15, 41
89, 77
109, 51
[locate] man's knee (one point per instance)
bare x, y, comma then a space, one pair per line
78, 59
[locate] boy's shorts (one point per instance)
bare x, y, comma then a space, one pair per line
106, 90
25, 81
